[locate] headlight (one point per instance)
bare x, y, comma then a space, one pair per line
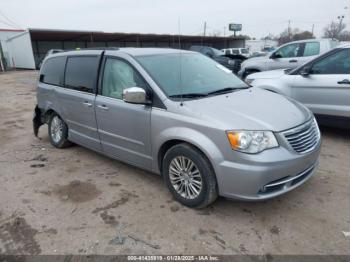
231, 62
251, 141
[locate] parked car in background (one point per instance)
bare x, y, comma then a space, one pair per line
290, 55
323, 85
50, 52
220, 57
180, 115
236, 51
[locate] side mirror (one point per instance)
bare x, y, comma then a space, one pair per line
305, 71
135, 95
275, 55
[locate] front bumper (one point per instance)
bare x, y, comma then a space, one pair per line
264, 176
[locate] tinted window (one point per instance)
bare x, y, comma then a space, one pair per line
117, 76
312, 49
338, 63
289, 51
81, 73
52, 71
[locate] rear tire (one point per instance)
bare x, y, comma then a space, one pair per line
189, 176
58, 132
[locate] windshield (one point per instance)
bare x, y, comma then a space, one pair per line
198, 73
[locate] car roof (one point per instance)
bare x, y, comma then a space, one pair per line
131, 51
312, 40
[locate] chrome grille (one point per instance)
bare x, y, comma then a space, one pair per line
304, 138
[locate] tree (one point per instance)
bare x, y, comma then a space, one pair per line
334, 29
269, 37
303, 35
344, 36
289, 35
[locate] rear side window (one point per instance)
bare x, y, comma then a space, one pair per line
312, 48
53, 70
81, 73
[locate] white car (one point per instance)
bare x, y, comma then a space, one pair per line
290, 55
237, 51
323, 85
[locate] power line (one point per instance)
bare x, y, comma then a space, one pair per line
15, 25
5, 23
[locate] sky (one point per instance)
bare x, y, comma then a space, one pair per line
258, 17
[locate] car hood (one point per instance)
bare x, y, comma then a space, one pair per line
267, 74
249, 109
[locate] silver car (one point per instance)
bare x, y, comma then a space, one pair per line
181, 115
323, 85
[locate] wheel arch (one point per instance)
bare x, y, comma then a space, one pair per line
203, 144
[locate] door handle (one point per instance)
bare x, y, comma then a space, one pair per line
87, 104
103, 107
293, 61
344, 82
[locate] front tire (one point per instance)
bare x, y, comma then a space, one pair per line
58, 132
189, 176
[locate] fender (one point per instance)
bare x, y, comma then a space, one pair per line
188, 135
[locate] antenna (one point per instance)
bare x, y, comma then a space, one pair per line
180, 64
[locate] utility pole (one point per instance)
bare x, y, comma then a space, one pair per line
205, 28
340, 24
289, 30
313, 28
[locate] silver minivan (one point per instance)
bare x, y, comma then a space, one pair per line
181, 115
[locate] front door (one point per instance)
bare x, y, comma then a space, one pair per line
124, 128
326, 91
288, 56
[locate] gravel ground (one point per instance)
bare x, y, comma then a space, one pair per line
75, 201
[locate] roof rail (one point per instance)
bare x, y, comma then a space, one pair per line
98, 48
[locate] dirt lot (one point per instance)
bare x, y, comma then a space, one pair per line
75, 201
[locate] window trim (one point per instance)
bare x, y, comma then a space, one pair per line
95, 77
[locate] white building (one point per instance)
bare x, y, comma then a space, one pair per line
16, 48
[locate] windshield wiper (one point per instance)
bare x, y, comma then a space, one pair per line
225, 90
189, 95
